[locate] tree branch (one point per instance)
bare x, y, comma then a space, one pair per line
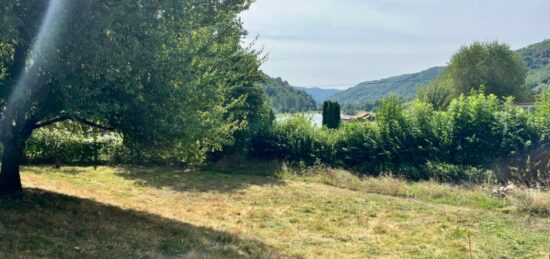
50, 122
92, 124
75, 119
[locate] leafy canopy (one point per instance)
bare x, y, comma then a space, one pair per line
493, 65
159, 72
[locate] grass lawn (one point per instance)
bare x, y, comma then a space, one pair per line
156, 212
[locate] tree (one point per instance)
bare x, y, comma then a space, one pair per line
331, 114
439, 93
325, 112
493, 65
158, 72
337, 112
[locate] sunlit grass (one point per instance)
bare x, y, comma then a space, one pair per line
329, 216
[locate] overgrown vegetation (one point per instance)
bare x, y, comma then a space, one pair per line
413, 140
416, 141
172, 76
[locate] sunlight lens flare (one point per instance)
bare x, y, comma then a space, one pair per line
40, 54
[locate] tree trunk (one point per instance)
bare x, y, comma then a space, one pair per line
14, 147
10, 179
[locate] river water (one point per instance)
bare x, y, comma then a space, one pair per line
315, 118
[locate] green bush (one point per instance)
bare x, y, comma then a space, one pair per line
542, 117
71, 144
296, 140
443, 172
357, 147
478, 129
474, 132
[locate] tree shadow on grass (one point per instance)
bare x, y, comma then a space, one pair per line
222, 180
44, 169
44, 224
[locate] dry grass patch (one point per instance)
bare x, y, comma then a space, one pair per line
531, 201
473, 196
265, 216
45, 224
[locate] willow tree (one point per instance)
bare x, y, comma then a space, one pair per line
158, 72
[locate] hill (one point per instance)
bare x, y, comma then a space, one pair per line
125, 212
286, 99
319, 94
371, 91
537, 59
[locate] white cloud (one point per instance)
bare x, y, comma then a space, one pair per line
340, 42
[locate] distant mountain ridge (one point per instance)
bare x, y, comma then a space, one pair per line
372, 91
319, 94
284, 98
536, 57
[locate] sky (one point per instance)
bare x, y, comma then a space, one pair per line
340, 43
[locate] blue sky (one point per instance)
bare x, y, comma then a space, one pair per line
339, 43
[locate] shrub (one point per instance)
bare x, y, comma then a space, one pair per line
473, 133
393, 127
445, 172
72, 144
296, 140
439, 93
542, 116
357, 146
478, 129
469, 129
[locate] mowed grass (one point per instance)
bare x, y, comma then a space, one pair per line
161, 212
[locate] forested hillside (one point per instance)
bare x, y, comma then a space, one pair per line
537, 59
320, 94
372, 91
285, 98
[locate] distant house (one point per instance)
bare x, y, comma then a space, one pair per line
530, 106
363, 116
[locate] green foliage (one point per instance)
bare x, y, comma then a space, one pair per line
482, 122
71, 144
474, 132
493, 65
285, 98
439, 93
358, 146
543, 113
331, 114
167, 75
445, 172
392, 124
251, 109
296, 140
537, 55
6, 57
